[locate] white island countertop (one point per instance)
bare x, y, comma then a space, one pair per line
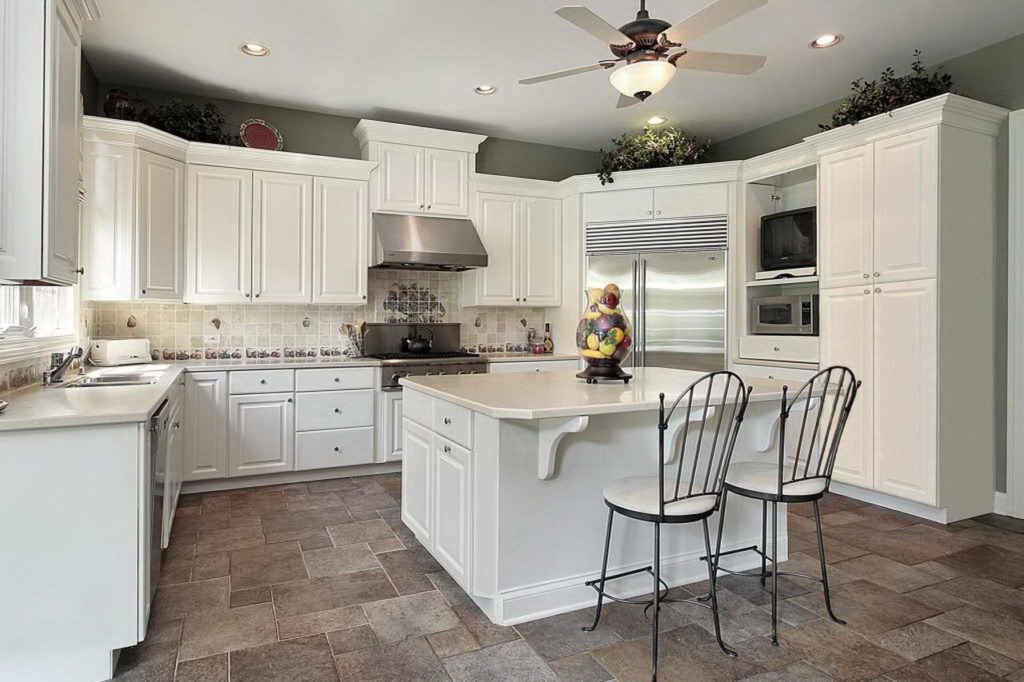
541, 395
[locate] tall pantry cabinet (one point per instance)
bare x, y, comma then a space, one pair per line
907, 225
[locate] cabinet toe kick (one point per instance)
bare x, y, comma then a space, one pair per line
550, 434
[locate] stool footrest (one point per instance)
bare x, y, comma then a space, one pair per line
596, 584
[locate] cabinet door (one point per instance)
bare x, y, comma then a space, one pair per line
905, 401
847, 316
389, 427
498, 225
451, 508
906, 206
401, 178
206, 425
620, 204
262, 434
687, 201
173, 474
446, 181
62, 147
219, 238
417, 481
541, 252
845, 192
282, 236
160, 217
107, 230
340, 241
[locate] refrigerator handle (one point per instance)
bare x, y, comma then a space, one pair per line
636, 308
643, 312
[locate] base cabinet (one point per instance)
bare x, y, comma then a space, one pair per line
262, 432
206, 425
451, 507
417, 465
389, 424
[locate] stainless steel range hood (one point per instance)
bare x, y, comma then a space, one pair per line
412, 242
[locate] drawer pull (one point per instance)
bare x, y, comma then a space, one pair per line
447, 448
263, 381
337, 410
776, 349
337, 379
447, 421
337, 449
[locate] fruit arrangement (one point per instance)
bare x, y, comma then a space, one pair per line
604, 333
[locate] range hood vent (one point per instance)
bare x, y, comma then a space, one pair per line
413, 242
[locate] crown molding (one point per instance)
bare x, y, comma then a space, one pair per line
505, 184
695, 174
134, 134
785, 160
381, 131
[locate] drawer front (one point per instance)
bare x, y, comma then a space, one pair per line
333, 379
334, 448
418, 407
453, 422
333, 410
785, 348
539, 366
261, 381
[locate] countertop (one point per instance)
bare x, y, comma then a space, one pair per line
527, 357
540, 395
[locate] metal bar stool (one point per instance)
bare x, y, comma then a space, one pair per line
802, 475
714, 409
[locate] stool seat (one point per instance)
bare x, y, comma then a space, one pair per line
640, 494
763, 477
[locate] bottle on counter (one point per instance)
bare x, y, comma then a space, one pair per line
549, 343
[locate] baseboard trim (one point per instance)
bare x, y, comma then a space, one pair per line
936, 514
213, 484
563, 595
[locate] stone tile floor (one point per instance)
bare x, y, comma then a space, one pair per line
321, 581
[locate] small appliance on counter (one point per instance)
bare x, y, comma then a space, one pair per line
789, 244
112, 352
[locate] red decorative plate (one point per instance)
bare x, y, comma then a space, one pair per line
259, 134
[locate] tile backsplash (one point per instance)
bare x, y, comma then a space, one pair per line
176, 329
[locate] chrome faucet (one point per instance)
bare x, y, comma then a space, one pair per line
59, 364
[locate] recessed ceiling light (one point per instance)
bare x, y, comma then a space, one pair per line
656, 120
254, 49
485, 89
826, 40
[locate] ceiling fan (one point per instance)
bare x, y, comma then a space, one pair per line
653, 49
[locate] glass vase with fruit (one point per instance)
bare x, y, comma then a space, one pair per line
604, 336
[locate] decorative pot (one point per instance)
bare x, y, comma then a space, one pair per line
119, 104
604, 336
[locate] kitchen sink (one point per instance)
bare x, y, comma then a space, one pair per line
113, 380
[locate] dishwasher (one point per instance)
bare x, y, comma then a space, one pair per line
159, 428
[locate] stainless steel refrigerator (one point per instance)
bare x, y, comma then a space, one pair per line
676, 302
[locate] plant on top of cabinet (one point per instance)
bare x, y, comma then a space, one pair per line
889, 92
189, 121
651, 148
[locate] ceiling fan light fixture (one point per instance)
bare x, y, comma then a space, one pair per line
485, 89
254, 49
642, 79
826, 40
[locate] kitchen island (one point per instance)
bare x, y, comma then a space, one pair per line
503, 473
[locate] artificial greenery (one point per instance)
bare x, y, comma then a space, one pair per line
889, 92
651, 148
189, 121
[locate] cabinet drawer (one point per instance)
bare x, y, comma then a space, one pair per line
418, 407
453, 422
333, 379
539, 366
261, 381
333, 410
786, 348
334, 448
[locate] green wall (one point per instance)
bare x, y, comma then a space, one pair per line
309, 132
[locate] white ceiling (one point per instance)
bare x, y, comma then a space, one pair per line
402, 59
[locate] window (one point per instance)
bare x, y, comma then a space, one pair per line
32, 318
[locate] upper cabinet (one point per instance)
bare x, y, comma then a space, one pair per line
282, 237
40, 150
340, 241
420, 170
657, 203
219, 235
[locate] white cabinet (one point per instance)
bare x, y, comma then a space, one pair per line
340, 241
523, 239
174, 472
417, 465
219, 235
206, 425
446, 181
282, 237
401, 178
133, 220
905, 390
847, 338
389, 427
879, 211
40, 152
782, 348
262, 434
658, 203
451, 507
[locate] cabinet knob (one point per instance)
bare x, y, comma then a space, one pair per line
447, 448
143, 292
877, 290
867, 291
648, 213
364, 297
80, 271
247, 293
657, 213
866, 275
337, 410
776, 349
428, 207
337, 379
878, 274
263, 381
421, 205
517, 299
176, 425
257, 295
289, 400
447, 420
337, 449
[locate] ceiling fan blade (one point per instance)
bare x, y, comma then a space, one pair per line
626, 101
568, 72
594, 25
716, 14
719, 62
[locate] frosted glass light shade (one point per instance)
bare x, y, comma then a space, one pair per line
642, 79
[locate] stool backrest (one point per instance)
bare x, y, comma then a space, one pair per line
713, 407
822, 406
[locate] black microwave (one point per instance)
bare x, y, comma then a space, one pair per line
789, 239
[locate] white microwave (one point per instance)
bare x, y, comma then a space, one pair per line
785, 315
